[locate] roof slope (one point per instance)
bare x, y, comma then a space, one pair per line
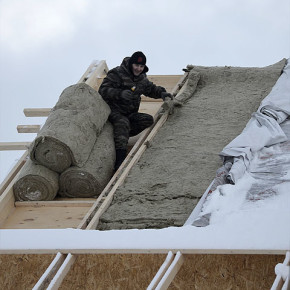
167, 182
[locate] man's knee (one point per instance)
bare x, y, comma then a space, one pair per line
148, 120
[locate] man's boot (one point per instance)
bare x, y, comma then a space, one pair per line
120, 156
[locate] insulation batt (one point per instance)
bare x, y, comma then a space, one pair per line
165, 185
71, 129
90, 179
36, 183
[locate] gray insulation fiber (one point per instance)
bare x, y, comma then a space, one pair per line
71, 129
90, 179
168, 180
36, 183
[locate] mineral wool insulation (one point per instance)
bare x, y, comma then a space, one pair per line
164, 186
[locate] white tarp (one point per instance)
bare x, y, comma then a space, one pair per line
263, 129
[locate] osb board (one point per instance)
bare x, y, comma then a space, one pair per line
150, 108
113, 271
136, 271
166, 81
48, 217
227, 272
198, 272
20, 272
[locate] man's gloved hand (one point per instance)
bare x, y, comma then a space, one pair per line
127, 95
166, 95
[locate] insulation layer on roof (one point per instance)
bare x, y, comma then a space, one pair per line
165, 185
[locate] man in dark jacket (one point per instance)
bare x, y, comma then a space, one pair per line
122, 89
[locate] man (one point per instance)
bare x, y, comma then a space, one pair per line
122, 89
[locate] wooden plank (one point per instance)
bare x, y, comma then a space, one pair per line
279, 283
28, 128
36, 112
171, 272
55, 203
61, 273
50, 272
161, 271
167, 81
6, 205
52, 247
147, 99
90, 68
4, 146
16, 168
150, 108
45, 217
7, 202
96, 76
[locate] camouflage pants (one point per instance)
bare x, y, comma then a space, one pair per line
127, 126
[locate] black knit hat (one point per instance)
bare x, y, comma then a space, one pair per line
138, 57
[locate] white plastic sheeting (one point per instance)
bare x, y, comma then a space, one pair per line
263, 129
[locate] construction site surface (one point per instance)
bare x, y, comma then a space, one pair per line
168, 169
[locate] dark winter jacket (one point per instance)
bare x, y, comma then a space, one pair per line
121, 78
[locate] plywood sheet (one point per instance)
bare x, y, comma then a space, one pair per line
49, 217
166, 81
226, 272
135, 271
22, 271
150, 107
118, 271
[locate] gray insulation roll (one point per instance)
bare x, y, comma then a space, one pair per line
36, 183
90, 179
71, 129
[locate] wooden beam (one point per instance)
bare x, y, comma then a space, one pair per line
55, 203
4, 146
95, 77
13, 172
61, 273
28, 128
157, 278
171, 272
50, 272
7, 196
38, 112
91, 67
279, 282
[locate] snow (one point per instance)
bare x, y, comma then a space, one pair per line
237, 225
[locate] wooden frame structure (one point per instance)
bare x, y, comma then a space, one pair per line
90, 209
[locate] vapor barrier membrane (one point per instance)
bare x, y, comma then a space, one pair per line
164, 186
